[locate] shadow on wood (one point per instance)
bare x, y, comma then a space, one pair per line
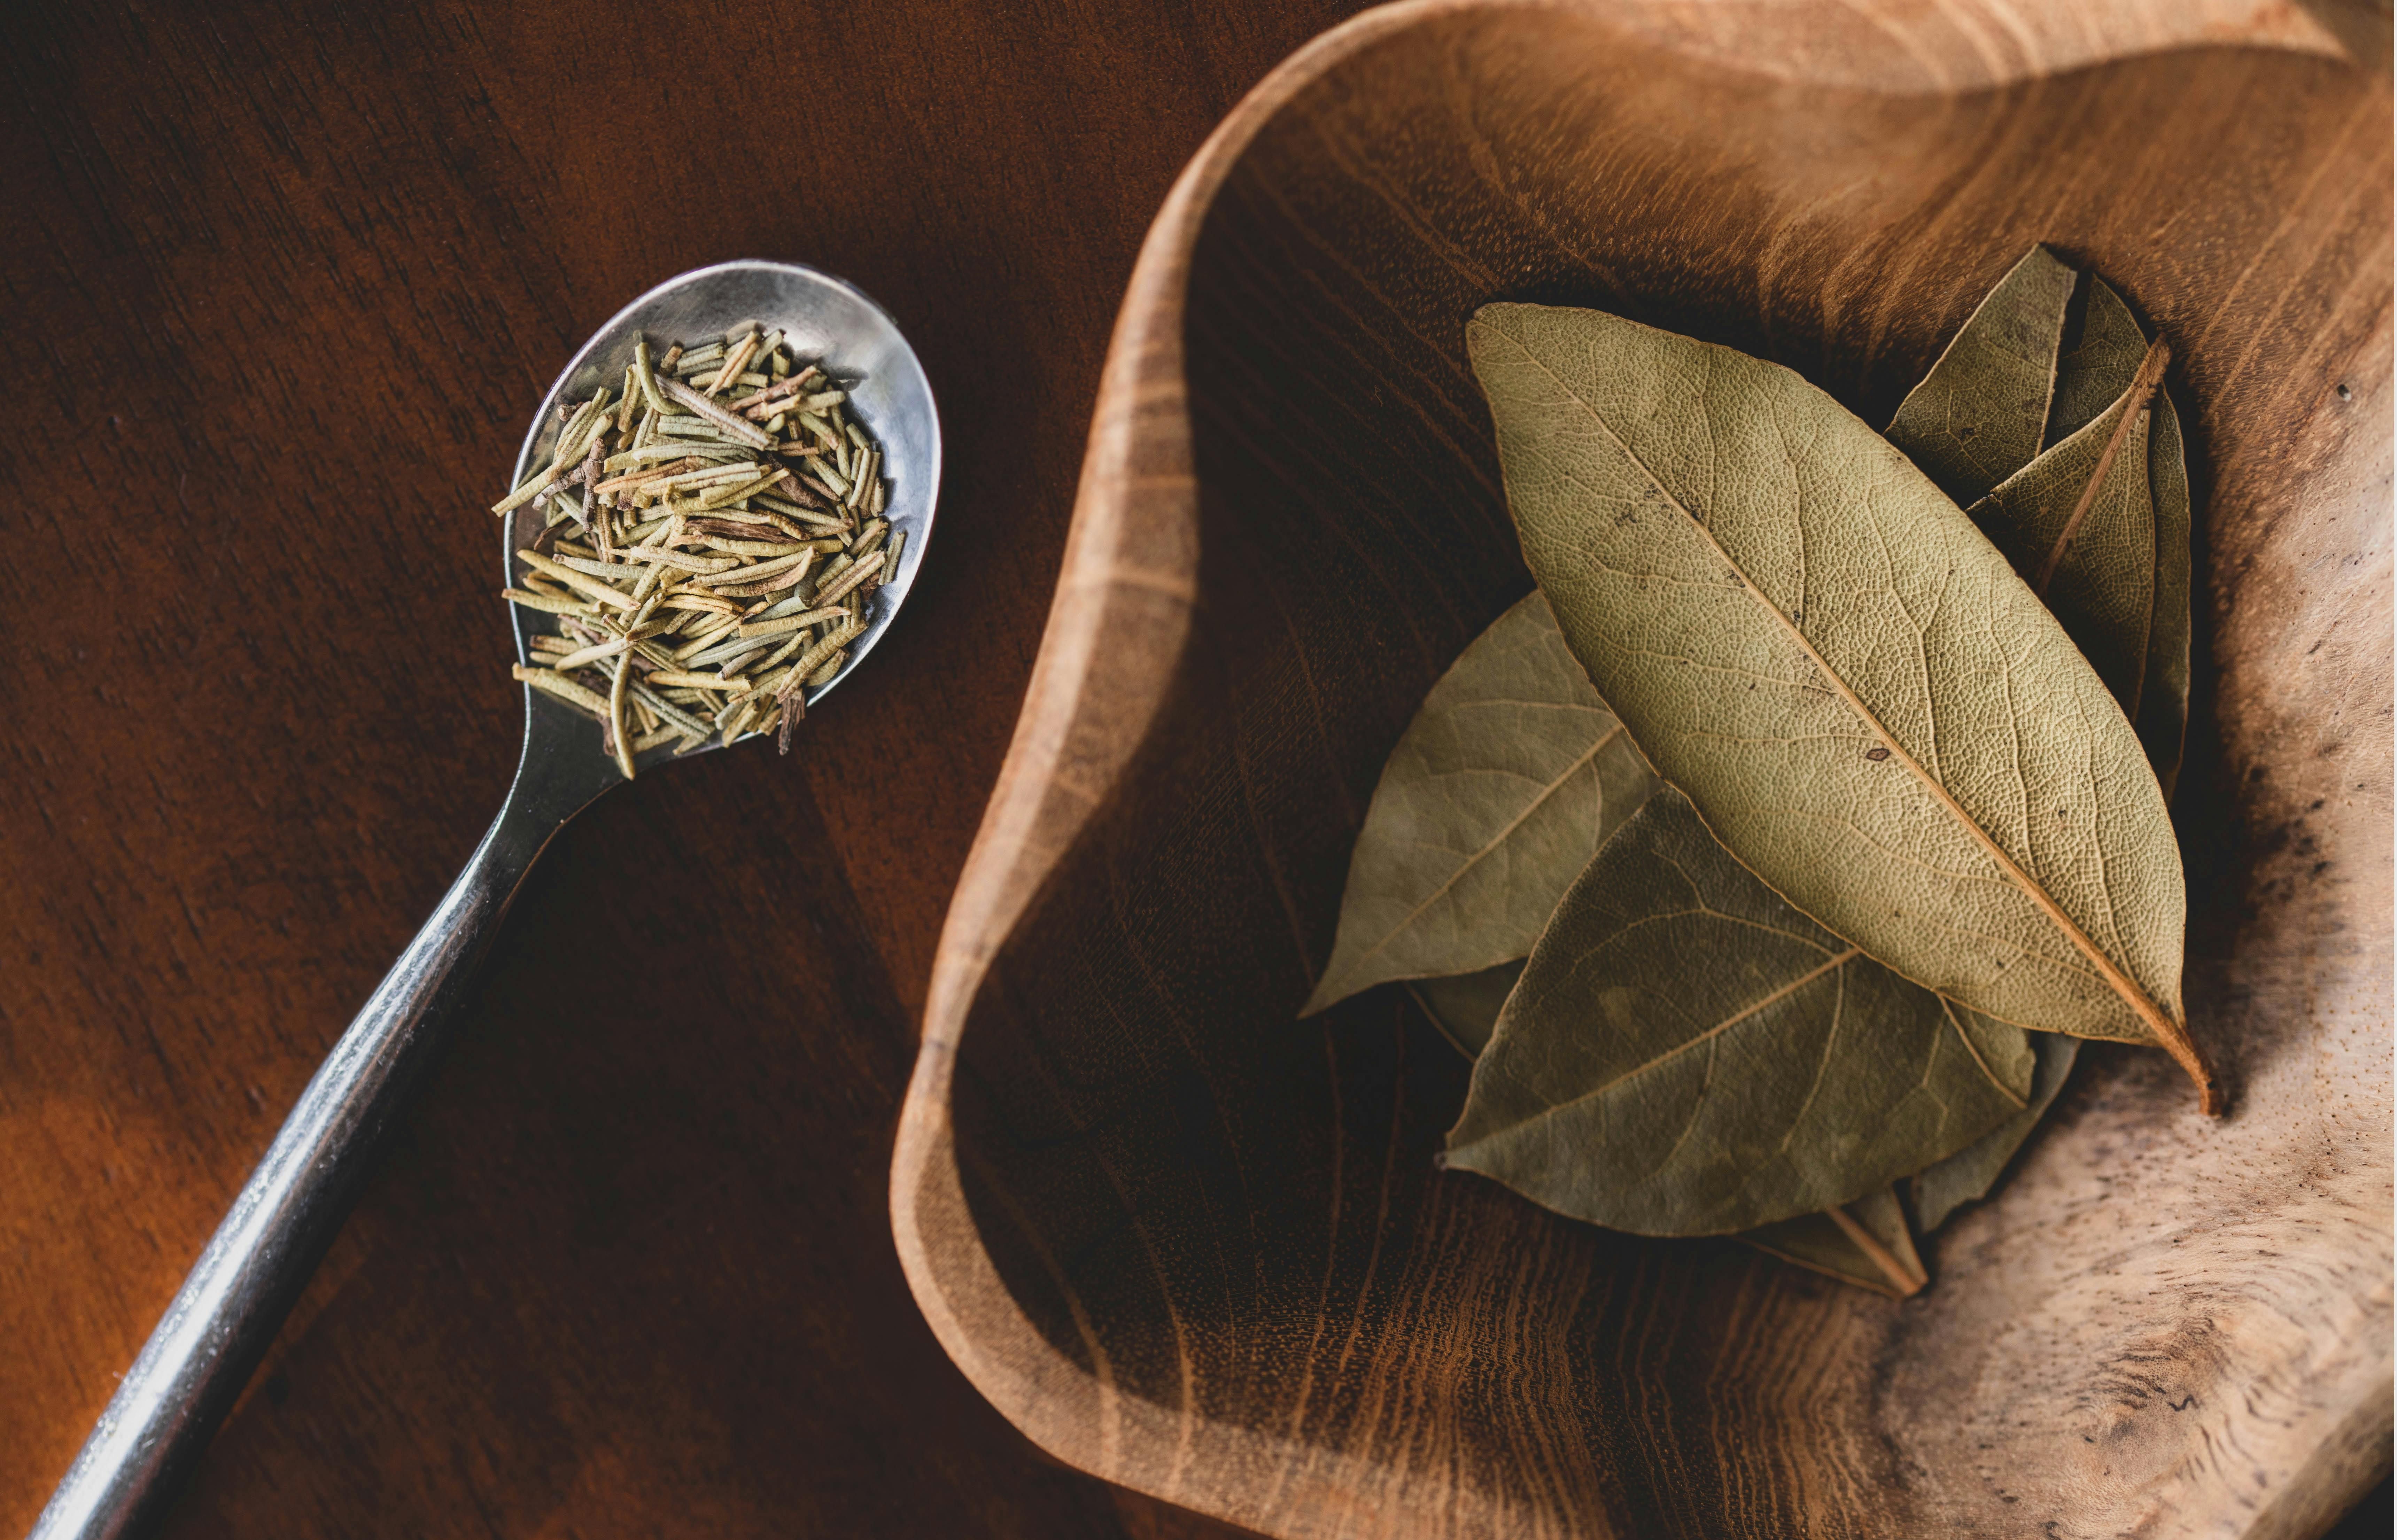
1195, 1245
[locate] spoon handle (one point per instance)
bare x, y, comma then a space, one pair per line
235, 1296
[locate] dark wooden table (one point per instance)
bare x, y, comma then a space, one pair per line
279, 285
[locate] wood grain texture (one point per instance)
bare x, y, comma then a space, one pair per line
281, 284
1195, 1245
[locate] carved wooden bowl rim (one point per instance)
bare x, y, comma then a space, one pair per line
1131, 565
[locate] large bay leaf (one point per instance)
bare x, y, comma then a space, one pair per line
1865, 1242
1688, 1054
1862, 699
1505, 785
1976, 417
1969, 1173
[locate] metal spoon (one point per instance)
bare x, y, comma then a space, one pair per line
232, 1302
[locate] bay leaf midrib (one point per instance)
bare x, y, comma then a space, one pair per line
2133, 402
2167, 1031
1882, 1256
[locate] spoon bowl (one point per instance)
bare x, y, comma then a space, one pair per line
230, 1303
830, 324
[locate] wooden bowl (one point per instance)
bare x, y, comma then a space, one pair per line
1195, 1245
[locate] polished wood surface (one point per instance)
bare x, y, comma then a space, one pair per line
279, 283
1197, 1245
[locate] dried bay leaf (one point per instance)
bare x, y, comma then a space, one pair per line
2079, 525
2102, 348
2120, 581
2099, 364
1465, 1010
1976, 418
1505, 785
2122, 590
2163, 716
1688, 1054
1851, 685
1865, 1242
1464, 1006
1967, 1176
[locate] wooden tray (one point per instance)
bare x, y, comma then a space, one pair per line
1195, 1245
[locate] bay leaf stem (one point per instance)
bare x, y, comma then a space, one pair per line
1905, 1279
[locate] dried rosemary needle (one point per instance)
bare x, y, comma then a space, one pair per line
713, 534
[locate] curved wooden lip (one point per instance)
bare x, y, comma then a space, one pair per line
1088, 705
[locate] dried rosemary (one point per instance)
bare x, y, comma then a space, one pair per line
713, 534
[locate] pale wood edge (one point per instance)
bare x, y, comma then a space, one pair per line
2344, 1468
1115, 632
1086, 711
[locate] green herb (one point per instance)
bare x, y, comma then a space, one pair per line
676, 508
